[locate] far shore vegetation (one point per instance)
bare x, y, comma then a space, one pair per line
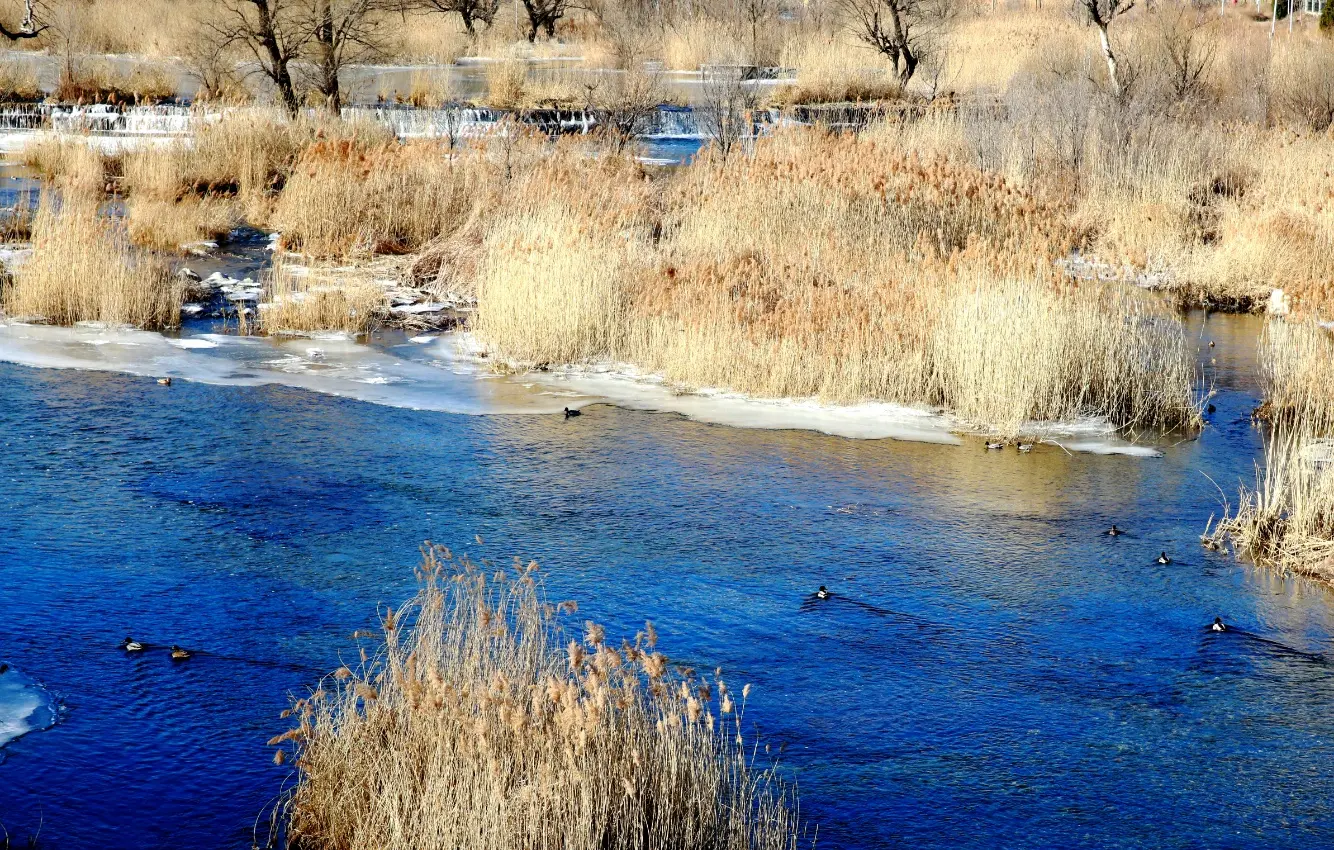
991, 208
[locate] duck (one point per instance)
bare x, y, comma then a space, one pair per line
131, 645
1219, 625
822, 593
992, 446
1025, 447
1211, 343
1163, 559
1114, 531
166, 382
1211, 409
569, 413
178, 654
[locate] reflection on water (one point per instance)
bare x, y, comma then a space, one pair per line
992, 671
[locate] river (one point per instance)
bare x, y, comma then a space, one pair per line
992, 672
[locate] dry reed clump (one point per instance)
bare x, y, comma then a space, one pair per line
845, 269
82, 270
1006, 352
507, 83
1287, 520
169, 226
830, 69
827, 266
1297, 370
69, 162
18, 83
560, 258
482, 723
235, 168
302, 300
346, 200
105, 82
702, 41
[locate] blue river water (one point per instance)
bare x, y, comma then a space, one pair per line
991, 673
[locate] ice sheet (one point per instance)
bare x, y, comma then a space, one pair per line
24, 706
447, 373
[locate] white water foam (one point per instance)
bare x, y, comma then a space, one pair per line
448, 373
24, 706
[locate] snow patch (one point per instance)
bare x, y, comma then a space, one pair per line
24, 706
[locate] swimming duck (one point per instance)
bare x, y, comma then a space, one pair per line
178, 654
1211, 409
994, 446
1163, 559
569, 413
822, 593
131, 645
1219, 625
1025, 447
1114, 531
166, 382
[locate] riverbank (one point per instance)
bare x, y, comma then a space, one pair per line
705, 276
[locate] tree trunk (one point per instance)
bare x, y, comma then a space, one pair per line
550, 26
1111, 59
466, 13
278, 71
905, 62
907, 68
328, 59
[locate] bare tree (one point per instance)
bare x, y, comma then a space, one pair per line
1302, 87
1102, 14
726, 109
904, 31
343, 33
544, 15
471, 11
275, 32
29, 27
629, 107
1184, 43
214, 67
757, 15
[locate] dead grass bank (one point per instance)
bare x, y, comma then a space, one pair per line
836, 267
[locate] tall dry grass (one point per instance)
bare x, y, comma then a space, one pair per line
1286, 521
234, 169
480, 721
71, 163
834, 69
560, 258
346, 199
837, 267
301, 300
83, 270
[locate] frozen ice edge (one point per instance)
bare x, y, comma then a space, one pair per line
25, 706
448, 374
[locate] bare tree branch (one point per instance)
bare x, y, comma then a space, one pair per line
904, 31
272, 31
